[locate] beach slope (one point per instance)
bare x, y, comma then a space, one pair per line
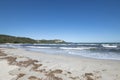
19, 64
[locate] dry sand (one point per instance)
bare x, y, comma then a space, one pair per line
18, 64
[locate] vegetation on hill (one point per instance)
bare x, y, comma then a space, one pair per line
13, 39
56, 41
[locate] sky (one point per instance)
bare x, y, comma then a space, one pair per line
69, 20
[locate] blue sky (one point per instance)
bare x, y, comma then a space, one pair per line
70, 20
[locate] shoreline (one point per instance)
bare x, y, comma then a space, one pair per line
67, 55
68, 67
107, 54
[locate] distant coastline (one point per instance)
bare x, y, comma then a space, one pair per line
14, 39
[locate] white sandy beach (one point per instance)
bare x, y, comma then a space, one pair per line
19, 64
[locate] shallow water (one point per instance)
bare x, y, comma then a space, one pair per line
99, 51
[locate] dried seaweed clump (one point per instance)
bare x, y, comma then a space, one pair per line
36, 66
11, 60
26, 63
51, 75
34, 78
89, 76
2, 54
20, 75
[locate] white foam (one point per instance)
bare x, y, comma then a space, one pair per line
37, 47
96, 55
77, 48
109, 46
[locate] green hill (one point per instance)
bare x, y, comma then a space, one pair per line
56, 41
13, 39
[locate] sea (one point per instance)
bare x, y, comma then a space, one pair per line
90, 50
